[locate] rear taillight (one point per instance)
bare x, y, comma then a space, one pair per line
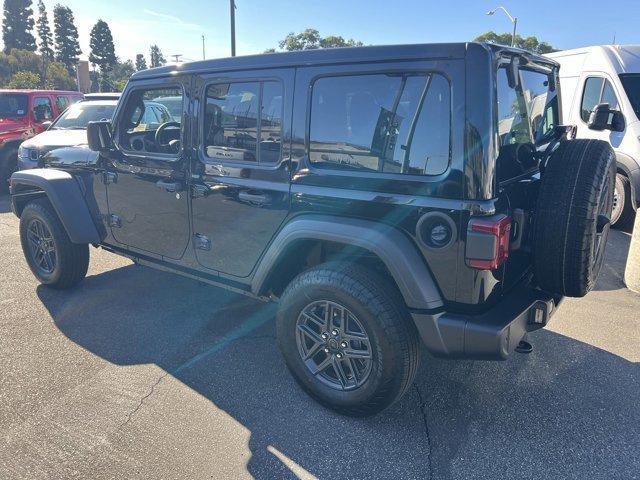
488, 242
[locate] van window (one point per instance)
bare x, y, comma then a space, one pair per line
243, 121
609, 96
391, 123
631, 84
591, 96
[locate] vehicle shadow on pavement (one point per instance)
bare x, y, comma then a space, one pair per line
566, 410
615, 259
5, 203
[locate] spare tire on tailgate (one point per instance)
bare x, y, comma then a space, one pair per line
573, 216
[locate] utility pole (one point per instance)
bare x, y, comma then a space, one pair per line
233, 27
203, 54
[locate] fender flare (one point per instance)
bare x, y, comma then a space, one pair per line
63, 191
632, 170
401, 257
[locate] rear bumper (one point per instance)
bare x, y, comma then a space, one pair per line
492, 335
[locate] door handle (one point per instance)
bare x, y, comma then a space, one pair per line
254, 197
169, 186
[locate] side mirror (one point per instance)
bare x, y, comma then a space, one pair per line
603, 118
47, 124
99, 136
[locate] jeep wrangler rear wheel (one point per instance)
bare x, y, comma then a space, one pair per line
51, 256
347, 338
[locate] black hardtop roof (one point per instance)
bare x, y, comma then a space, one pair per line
325, 56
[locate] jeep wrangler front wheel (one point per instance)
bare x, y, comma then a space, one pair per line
347, 339
52, 257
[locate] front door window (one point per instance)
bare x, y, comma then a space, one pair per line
147, 124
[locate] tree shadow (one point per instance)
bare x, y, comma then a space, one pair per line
463, 419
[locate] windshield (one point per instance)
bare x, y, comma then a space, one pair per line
631, 84
13, 105
173, 104
77, 116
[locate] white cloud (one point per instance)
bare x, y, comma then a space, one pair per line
173, 20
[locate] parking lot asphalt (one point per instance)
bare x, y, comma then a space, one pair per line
142, 374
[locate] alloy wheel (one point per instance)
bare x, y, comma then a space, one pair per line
41, 246
334, 345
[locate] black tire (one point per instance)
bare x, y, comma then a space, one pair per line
8, 165
623, 215
379, 309
68, 262
573, 216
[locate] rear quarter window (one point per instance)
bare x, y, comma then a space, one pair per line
386, 123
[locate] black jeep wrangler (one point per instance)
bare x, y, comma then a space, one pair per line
386, 196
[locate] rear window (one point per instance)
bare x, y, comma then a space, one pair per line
387, 123
13, 105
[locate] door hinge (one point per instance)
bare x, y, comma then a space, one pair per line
109, 177
201, 242
199, 190
115, 221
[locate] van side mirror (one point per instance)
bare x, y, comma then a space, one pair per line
604, 118
99, 136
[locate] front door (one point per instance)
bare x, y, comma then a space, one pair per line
145, 175
241, 172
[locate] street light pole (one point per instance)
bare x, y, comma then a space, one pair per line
233, 27
513, 19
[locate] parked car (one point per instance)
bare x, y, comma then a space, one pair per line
607, 74
384, 195
23, 114
102, 96
69, 129
173, 104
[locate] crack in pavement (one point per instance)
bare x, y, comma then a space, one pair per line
423, 410
176, 371
139, 406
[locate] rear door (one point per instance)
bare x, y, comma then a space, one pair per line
527, 113
240, 194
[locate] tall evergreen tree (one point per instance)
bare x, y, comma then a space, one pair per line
67, 46
157, 59
102, 49
44, 32
141, 62
17, 25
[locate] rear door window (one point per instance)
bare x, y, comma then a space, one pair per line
243, 121
387, 123
62, 103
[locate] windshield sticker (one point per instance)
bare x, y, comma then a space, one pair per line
20, 112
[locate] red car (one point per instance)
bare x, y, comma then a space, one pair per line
23, 114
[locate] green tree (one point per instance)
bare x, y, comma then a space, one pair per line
157, 59
23, 79
17, 25
141, 62
58, 78
52, 75
310, 39
103, 51
67, 46
531, 43
44, 32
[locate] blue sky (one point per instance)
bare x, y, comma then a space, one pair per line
260, 24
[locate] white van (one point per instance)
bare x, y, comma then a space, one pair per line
607, 74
